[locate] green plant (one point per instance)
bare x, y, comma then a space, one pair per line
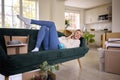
45, 71
46, 67
67, 23
89, 37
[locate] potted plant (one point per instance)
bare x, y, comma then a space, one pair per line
67, 23
46, 70
89, 37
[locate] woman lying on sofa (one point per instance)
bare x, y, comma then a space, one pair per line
48, 35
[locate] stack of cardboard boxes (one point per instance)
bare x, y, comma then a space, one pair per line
111, 55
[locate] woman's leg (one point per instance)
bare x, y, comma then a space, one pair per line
40, 38
46, 40
53, 36
25, 20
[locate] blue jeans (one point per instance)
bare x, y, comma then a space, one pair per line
47, 34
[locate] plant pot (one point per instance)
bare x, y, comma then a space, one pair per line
43, 75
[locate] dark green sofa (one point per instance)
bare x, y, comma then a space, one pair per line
19, 63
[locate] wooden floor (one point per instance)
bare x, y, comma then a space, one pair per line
90, 69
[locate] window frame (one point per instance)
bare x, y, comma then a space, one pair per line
20, 12
73, 10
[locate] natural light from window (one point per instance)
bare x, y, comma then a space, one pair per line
27, 8
72, 20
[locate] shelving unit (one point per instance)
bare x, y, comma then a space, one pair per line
96, 15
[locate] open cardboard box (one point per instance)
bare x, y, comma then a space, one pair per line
16, 48
31, 74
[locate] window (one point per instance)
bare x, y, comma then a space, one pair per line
11, 8
72, 20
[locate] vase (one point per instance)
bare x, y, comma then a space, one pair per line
44, 75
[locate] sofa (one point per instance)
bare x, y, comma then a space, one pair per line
20, 63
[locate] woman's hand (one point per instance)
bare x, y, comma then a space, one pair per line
71, 36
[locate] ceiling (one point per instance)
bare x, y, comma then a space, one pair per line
86, 3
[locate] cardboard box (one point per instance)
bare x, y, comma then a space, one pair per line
112, 61
31, 74
17, 49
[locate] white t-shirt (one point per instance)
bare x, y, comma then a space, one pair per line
69, 43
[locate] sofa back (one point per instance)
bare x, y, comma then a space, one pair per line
31, 33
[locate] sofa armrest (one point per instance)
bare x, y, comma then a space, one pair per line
3, 55
83, 42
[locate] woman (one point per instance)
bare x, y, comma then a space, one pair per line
48, 35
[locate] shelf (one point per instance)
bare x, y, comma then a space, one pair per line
99, 14
16, 45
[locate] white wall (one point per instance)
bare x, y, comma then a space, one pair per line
52, 10
115, 15
58, 14
44, 9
